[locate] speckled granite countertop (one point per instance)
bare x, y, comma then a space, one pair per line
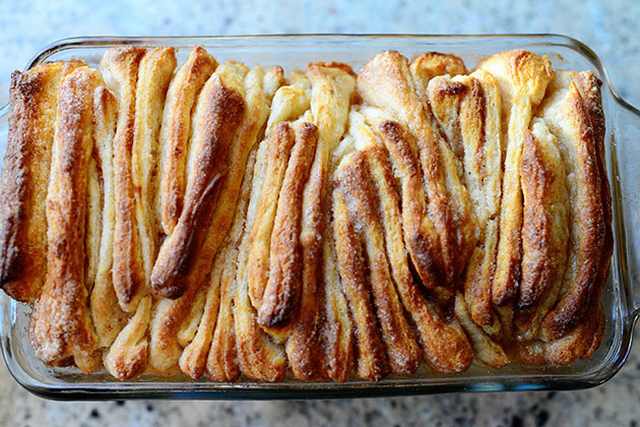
609, 27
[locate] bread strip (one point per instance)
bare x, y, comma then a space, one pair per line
193, 358
444, 344
283, 290
94, 219
165, 350
371, 361
217, 317
61, 323
386, 82
445, 98
355, 182
589, 87
272, 82
108, 318
189, 326
441, 113
304, 328
480, 121
176, 130
545, 228
23, 189
428, 65
218, 115
259, 358
221, 356
580, 343
337, 338
523, 78
222, 362
120, 70
419, 231
291, 101
568, 118
485, 349
278, 151
259, 87
332, 89
128, 355
154, 76
304, 343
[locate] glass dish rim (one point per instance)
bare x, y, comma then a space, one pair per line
195, 390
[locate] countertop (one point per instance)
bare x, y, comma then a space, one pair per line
610, 28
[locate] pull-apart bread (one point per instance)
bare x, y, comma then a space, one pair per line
324, 224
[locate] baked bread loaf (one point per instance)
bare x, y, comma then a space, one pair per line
229, 222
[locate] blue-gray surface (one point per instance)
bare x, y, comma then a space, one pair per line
609, 27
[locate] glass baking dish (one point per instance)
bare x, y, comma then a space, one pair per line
294, 51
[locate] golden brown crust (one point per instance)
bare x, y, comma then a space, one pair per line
523, 78
441, 99
259, 358
370, 357
176, 130
336, 338
545, 228
486, 350
428, 65
355, 182
444, 345
332, 91
108, 317
279, 148
480, 123
154, 76
293, 264
332, 87
580, 343
283, 290
164, 347
445, 98
120, 70
217, 117
259, 86
589, 87
569, 119
213, 347
221, 361
34, 96
128, 355
386, 82
61, 323
419, 232
251, 128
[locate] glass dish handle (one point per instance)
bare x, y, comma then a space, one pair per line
626, 175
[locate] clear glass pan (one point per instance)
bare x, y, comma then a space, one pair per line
294, 51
